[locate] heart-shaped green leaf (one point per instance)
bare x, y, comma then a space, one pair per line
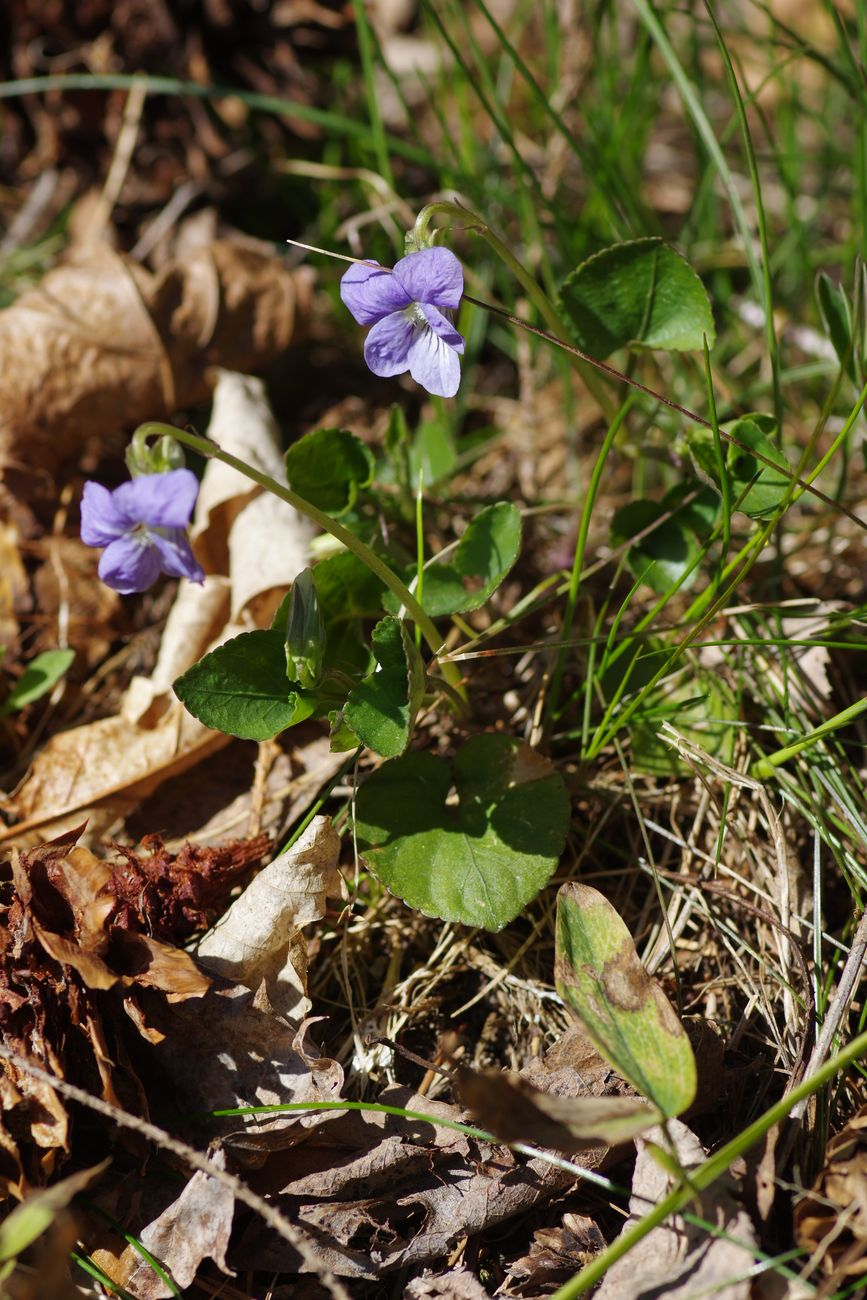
669, 551
474, 570
624, 1012
328, 467
381, 710
479, 862
241, 688
757, 488
639, 292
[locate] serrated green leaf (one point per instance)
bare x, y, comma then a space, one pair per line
241, 688
329, 467
671, 549
479, 862
624, 1012
39, 677
381, 710
640, 292
757, 488
483, 557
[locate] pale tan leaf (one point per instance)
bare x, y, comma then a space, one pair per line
269, 545
195, 1227
254, 943
676, 1259
243, 424
103, 344
101, 771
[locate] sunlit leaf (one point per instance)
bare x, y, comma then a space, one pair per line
638, 292
624, 1012
479, 861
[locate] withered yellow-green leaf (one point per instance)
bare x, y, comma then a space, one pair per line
624, 1012
515, 1111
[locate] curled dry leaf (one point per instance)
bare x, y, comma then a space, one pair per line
195, 1227
239, 530
459, 1284
514, 1110
103, 344
258, 941
555, 1255
60, 953
831, 1220
677, 1259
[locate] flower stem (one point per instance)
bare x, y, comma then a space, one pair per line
369, 558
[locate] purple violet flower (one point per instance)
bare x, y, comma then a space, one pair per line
406, 308
142, 525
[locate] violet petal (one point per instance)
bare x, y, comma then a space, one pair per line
371, 293
102, 521
433, 275
175, 555
160, 500
387, 346
442, 326
434, 365
130, 564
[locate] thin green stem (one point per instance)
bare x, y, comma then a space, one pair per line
765, 766
767, 288
722, 467
366, 51
580, 550
359, 549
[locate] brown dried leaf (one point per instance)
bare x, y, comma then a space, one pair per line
66, 591
459, 1284
515, 1111
195, 1227
103, 344
101, 771
256, 943
555, 1255
13, 584
449, 1187
838, 1199
151, 964
223, 1051
676, 1259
